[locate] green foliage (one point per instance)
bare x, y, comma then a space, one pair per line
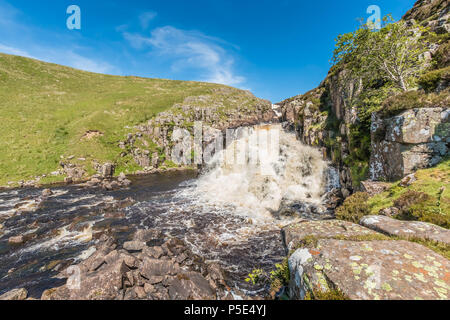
354, 207
332, 294
393, 53
256, 276
281, 275
413, 99
427, 199
442, 55
429, 81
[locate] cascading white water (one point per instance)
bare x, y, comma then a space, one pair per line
276, 170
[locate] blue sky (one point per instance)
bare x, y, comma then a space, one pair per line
276, 49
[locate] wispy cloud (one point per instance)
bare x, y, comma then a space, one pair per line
14, 51
145, 19
190, 50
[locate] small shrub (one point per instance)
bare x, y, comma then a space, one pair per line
281, 275
412, 100
419, 206
334, 294
354, 207
257, 276
430, 81
442, 55
407, 200
396, 104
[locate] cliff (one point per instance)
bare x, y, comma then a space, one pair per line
369, 130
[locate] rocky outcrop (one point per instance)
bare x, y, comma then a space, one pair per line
414, 139
295, 234
153, 142
369, 270
147, 267
431, 13
407, 229
16, 294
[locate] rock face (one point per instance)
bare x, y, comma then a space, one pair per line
294, 234
176, 125
414, 139
162, 271
369, 270
434, 13
407, 229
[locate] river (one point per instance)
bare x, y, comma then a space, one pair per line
231, 213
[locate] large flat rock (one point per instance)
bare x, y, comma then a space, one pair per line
407, 229
370, 270
293, 234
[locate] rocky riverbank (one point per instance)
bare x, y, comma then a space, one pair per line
149, 267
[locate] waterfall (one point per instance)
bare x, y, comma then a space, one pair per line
266, 171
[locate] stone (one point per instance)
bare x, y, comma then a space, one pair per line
374, 187
16, 294
107, 170
16, 240
103, 284
134, 245
154, 267
147, 235
191, 286
295, 233
370, 270
155, 252
414, 139
140, 292
389, 212
47, 193
345, 193
406, 229
68, 180
408, 180
148, 288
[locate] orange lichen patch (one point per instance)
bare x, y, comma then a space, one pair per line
314, 252
423, 271
447, 277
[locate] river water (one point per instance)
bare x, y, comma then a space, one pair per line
232, 213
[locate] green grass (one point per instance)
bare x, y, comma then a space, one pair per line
45, 109
434, 182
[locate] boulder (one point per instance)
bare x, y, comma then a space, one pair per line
16, 240
191, 286
47, 193
147, 235
374, 187
16, 294
370, 270
107, 170
154, 267
294, 234
408, 180
134, 245
414, 139
406, 229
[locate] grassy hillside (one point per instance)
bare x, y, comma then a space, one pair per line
45, 109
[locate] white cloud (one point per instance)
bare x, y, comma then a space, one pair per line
146, 17
190, 50
14, 51
80, 62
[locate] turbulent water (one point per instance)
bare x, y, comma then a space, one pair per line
232, 213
